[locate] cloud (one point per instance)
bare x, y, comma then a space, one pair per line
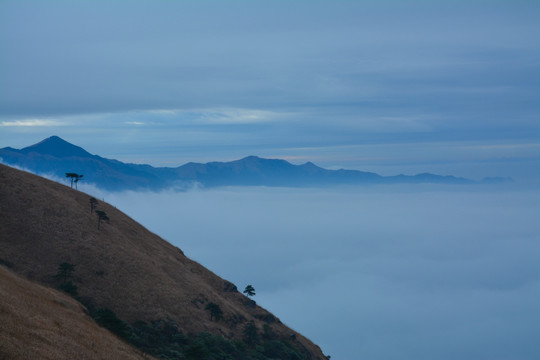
239, 116
425, 272
32, 123
211, 116
137, 123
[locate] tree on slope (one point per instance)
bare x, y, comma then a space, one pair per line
64, 273
93, 204
215, 311
102, 216
249, 290
65, 270
79, 177
250, 333
74, 178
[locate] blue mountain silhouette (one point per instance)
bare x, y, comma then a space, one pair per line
56, 156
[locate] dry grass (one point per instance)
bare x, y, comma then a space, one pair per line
41, 323
122, 266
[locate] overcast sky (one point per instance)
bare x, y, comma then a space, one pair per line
388, 86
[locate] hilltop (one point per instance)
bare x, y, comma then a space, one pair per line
56, 156
122, 266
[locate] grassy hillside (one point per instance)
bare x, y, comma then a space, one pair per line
121, 266
41, 323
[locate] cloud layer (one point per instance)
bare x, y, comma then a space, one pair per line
377, 272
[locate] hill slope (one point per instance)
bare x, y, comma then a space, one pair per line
121, 266
42, 323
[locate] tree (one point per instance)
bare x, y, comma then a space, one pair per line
74, 178
102, 215
64, 271
249, 290
77, 180
250, 332
93, 204
215, 311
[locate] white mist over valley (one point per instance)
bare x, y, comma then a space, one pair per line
386, 272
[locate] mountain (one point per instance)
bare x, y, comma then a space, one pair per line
121, 268
56, 147
55, 156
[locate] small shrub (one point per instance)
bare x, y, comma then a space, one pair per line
69, 288
281, 350
215, 311
108, 319
65, 270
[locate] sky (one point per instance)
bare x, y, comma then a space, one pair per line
448, 87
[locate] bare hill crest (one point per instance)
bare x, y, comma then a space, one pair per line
121, 266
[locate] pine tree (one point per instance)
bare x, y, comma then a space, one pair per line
249, 290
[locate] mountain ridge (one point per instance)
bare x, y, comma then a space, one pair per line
57, 156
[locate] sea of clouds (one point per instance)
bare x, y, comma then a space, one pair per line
370, 272
380, 272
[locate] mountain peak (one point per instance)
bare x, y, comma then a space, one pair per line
57, 147
252, 159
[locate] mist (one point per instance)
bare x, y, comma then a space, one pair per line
382, 272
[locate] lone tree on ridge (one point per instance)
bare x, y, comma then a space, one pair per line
74, 178
249, 290
79, 177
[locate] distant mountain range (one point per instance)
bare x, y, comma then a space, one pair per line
56, 156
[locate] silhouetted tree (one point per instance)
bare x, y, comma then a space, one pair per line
79, 177
64, 271
93, 204
215, 311
72, 176
102, 215
249, 290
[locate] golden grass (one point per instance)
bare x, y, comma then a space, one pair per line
122, 266
40, 323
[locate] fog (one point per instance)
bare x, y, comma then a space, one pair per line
383, 272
